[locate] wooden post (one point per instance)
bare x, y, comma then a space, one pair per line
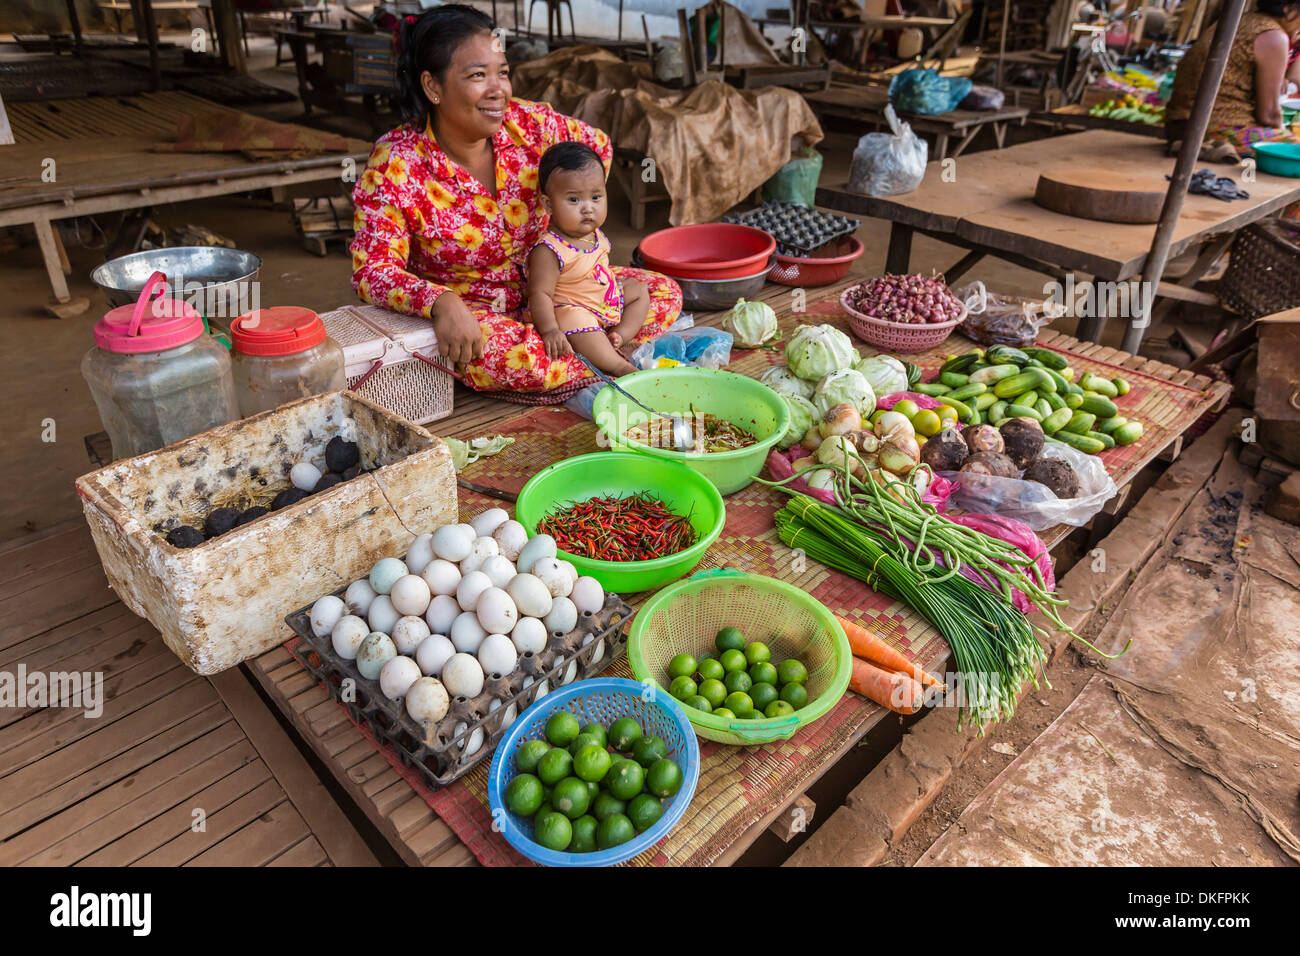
1002, 42
722, 39
223, 11
649, 47
1193, 135
701, 45
75, 22
688, 53
151, 37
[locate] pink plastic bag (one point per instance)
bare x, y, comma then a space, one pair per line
1017, 534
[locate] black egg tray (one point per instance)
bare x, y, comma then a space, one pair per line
798, 230
439, 754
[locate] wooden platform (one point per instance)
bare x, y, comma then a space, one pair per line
177, 770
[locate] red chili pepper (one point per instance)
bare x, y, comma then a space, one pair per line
635, 528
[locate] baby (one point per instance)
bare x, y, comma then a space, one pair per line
574, 300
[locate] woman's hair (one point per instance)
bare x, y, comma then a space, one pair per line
1277, 8
427, 43
567, 156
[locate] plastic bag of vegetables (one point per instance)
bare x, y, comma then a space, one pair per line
781, 380
752, 323
884, 373
846, 386
817, 350
802, 416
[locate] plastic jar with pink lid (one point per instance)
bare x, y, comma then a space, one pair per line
155, 375
281, 354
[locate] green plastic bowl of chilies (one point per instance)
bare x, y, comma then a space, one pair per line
686, 617
741, 400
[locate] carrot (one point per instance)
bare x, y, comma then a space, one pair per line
889, 689
871, 648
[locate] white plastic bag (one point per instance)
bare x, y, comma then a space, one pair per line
993, 319
1035, 504
887, 164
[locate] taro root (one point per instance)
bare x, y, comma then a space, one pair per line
252, 514
982, 438
945, 451
1023, 440
992, 463
1057, 475
287, 497
351, 473
185, 537
341, 455
327, 480
220, 521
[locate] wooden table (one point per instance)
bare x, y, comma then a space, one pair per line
867, 104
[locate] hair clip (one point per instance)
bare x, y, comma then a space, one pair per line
411, 18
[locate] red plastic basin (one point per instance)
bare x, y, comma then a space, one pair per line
709, 250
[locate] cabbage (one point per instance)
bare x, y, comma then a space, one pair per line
781, 380
884, 373
752, 323
817, 350
802, 417
846, 385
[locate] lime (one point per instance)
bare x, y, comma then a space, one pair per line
553, 830
555, 766
757, 652
682, 665
750, 714
711, 670
733, 660
584, 835
762, 673
625, 778
723, 712
762, 695
644, 811
682, 687
597, 731
623, 733
583, 740
736, 702
524, 795
947, 415
906, 407
649, 749
614, 830
778, 708
714, 691
737, 682
562, 728
607, 805
592, 762
729, 639
593, 790
571, 797
664, 778
699, 703
927, 423
530, 754
791, 672
796, 695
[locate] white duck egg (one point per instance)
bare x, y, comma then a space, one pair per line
543, 689
508, 717
498, 569
571, 673
587, 596
304, 475
473, 742
599, 652
496, 612
467, 633
529, 636
358, 597
538, 546
452, 543
443, 610
375, 651
397, 676
563, 617
325, 613
382, 615
347, 636
530, 595
420, 554
410, 595
573, 572
511, 537
462, 675
443, 577
471, 564
471, 587
409, 633
552, 573
484, 548
488, 521
386, 573
433, 654
497, 655
427, 700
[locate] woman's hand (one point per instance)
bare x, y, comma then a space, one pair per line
557, 344
459, 338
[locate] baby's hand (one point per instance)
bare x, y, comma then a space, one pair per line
615, 339
557, 344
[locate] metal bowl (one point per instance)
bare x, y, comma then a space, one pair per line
713, 294
221, 283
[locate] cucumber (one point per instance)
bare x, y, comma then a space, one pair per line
975, 418
913, 373
985, 400
1083, 443
1121, 385
1055, 421
954, 379
1099, 406
1023, 411
933, 389
1073, 400
1049, 358
961, 363
1127, 433
1108, 426
1103, 438
1034, 363
1074, 388
994, 373
1068, 373
968, 391
1055, 400
961, 408
1099, 385
998, 410
1080, 422
1028, 399
1032, 379
1006, 353
1061, 384
1044, 409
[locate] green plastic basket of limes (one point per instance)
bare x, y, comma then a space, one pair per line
780, 657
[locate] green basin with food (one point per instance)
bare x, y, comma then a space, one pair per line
617, 475
1280, 159
687, 391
